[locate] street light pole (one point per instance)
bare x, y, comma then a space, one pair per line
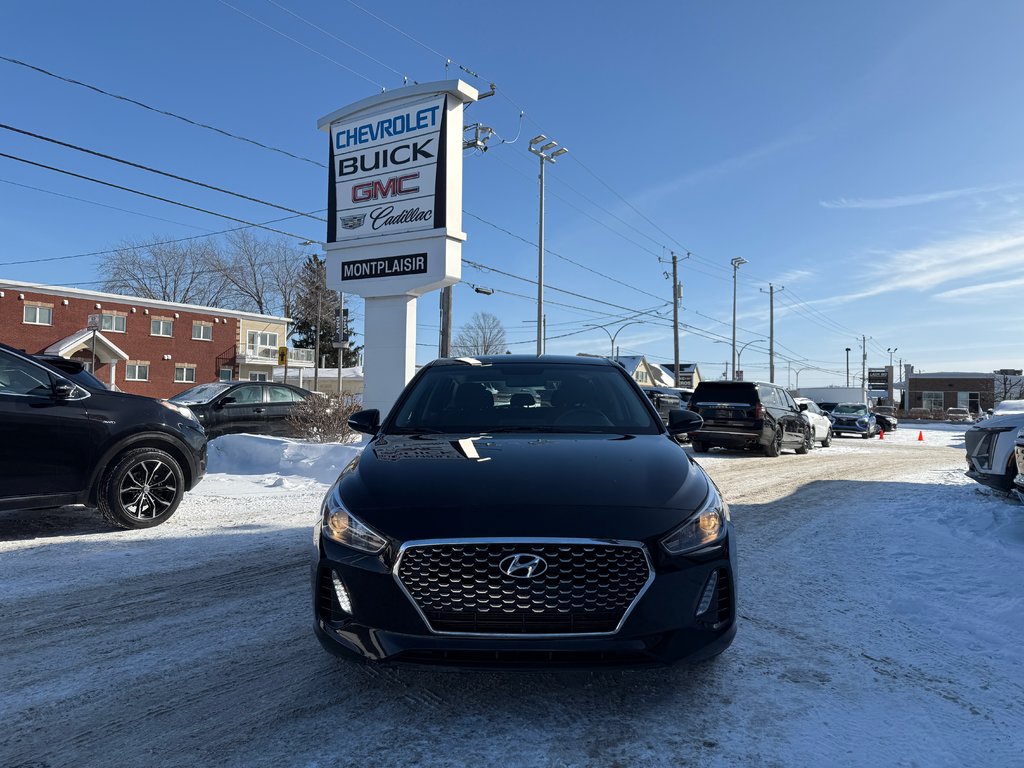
847, 367
540, 149
891, 351
740, 352
613, 336
736, 262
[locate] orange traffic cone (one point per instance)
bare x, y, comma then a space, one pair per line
920, 437
881, 434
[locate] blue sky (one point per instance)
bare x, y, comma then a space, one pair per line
864, 156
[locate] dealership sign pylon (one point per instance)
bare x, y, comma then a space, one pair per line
394, 228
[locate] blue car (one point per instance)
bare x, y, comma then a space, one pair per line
854, 419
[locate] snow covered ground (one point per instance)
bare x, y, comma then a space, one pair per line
881, 625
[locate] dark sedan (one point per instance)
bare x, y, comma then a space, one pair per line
573, 531
253, 407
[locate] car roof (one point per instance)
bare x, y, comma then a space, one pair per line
496, 359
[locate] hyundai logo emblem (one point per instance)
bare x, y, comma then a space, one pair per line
523, 566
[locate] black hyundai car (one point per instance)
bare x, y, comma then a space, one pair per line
66, 439
567, 530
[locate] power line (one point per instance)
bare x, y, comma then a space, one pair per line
153, 197
101, 205
307, 47
157, 171
165, 112
335, 37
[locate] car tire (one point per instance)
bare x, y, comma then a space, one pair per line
828, 439
808, 444
142, 489
698, 446
774, 448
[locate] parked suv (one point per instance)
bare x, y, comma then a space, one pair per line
990, 450
665, 399
748, 414
68, 442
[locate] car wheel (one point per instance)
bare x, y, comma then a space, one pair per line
698, 446
828, 439
808, 444
774, 448
142, 489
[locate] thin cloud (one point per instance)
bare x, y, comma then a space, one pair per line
905, 201
984, 291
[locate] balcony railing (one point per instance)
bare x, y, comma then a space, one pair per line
261, 353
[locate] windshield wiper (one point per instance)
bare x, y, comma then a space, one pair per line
417, 431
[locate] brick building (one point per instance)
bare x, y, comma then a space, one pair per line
143, 346
936, 392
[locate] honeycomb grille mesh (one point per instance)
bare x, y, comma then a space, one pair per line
586, 588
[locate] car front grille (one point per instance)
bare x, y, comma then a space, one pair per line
586, 588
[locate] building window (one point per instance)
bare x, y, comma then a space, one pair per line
185, 373
262, 344
35, 315
225, 374
202, 331
931, 400
254, 376
136, 372
115, 323
161, 327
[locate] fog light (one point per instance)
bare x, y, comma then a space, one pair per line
341, 594
709, 593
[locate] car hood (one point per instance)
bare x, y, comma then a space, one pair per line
567, 486
1010, 421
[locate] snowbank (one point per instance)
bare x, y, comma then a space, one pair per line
261, 455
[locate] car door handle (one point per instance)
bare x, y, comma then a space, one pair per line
257, 410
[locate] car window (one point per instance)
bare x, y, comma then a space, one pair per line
19, 377
248, 395
786, 398
724, 392
769, 397
851, 409
283, 395
519, 396
204, 393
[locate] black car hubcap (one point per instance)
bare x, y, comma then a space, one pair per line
147, 489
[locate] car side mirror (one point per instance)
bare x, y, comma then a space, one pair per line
62, 390
802, 406
225, 401
680, 421
367, 422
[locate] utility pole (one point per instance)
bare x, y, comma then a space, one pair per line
863, 362
736, 263
771, 328
677, 296
540, 146
445, 348
847, 367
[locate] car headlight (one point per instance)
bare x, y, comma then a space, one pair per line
342, 526
706, 527
862, 422
181, 410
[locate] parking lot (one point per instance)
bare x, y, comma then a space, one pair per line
880, 625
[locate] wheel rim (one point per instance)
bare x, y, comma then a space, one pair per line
148, 489
777, 441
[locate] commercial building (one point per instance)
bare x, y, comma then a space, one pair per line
144, 346
935, 392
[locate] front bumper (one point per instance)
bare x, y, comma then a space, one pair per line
662, 627
851, 429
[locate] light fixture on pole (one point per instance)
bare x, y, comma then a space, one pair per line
736, 262
739, 353
891, 351
541, 147
613, 336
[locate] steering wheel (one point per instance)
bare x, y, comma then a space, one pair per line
583, 417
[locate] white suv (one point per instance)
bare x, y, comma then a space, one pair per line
990, 450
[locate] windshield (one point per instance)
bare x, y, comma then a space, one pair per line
204, 393
851, 409
523, 397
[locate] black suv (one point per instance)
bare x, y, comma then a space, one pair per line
749, 414
66, 439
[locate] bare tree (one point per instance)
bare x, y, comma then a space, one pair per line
262, 273
482, 335
185, 272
